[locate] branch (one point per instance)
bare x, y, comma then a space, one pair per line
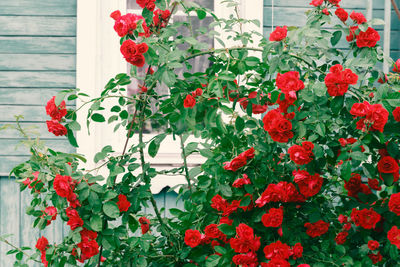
185, 164
17, 248
396, 9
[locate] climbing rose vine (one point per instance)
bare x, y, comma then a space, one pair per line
299, 132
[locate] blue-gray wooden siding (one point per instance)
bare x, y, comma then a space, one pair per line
292, 13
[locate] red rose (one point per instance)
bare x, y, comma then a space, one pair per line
235, 164
366, 218
142, 3
212, 231
316, 229
245, 240
352, 33
43, 258
389, 165
281, 192
369, 38
341, 14
248, 259
277, 126
325, 11
360, 109
151, 6
240, 182
396, 114
142, 48
393, 236
358, 17
248, 154
131, 52
116, 14
341, 238
63, 185
89, 248
373, 245
273, 218
394, 203
375, 258
50, 211
278, 34
300, 155
289, 81
309, 185
378, 116
297, 251
144, 224
337, 81
316, 2
87, 234
334, 2
123, 203
342, 218
75, 220
218, 203
192, 238
374, 184
225, 220
396, 67
56, 128
189, 101
277, 250
353, 185
42, 243
276, 262
56, 112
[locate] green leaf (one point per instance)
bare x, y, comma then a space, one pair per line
169, 78
111, 210
227, 229
74, 126
98, 117
320, 129
358, 155
337, 104
71, 138
96, 223
153, 148
201, 14
239, 124
59, 98
226, 76
319, 89
387, 178
336, 37
345, 171
212, 261
147, 15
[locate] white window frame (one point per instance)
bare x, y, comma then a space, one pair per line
99, 59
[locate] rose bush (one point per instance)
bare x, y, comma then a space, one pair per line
311, 182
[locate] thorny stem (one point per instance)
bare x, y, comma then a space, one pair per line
185, 164
17, 248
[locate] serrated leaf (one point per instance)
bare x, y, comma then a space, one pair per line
111, 210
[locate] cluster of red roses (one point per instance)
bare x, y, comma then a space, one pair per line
303, 154
42, 244
144, 224
338, 80
190, 100
149, 4
133, 53
374, 117
125, 24
240, 160
277, 126
56, 113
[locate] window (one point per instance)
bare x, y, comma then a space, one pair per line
99, 59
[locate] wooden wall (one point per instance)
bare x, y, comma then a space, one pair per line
292, 13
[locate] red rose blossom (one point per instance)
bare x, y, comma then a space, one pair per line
50, 211
352, 33
116, 14
374, 184
278, 34
212, 231
192, 238
359, 18
316, 229
277, 250
341, 238
316, 3
366, 218
245, 240
144, 224
393, 236
42, 243
396, 114
373, 244
240, 182
123, 203
56, 112
75, 220
56, 128
337, 81
189, 101
396, 67
273, 218
281, 192
369, 38
248, 259
63, 185
375, 257
342, 14
297, 251
394, 203
389, 165
309, 185
89, 248
277, 126
300, 155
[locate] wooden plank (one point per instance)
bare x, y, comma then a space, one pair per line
37, 45
30, 113
39, 128
40, 79
9, 218
42, 7
31, 96
16, 148
7, 163
361, 4
37, 62
29, 235
38, 25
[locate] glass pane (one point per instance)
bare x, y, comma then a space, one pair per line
131, 4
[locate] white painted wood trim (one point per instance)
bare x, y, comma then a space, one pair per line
386, 34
